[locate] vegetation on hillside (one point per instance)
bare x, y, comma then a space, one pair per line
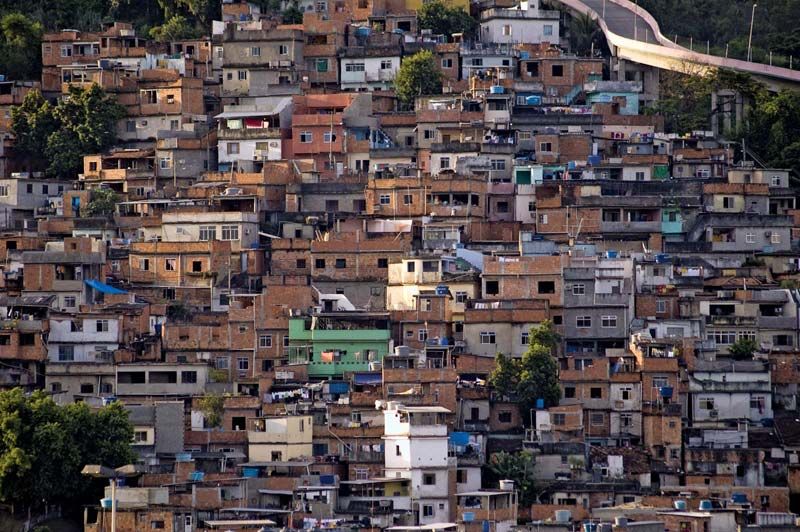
419, 75
44, 446
81, 124
727, 22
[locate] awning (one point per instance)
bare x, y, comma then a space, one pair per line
102, 287
215, 523
374, 379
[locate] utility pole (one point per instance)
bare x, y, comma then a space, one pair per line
750, 39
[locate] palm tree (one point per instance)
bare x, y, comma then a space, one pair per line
583, 32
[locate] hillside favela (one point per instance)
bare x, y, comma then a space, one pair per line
400, 266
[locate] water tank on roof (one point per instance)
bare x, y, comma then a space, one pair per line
496, 89
362, 31
680, 505
563, 516
705, 504
540, 404
611, 254
739, 498
533, 99
666, 392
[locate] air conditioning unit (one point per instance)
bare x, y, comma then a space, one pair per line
713, 414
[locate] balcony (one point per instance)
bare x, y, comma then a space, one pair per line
777, 322
626, 227
506, 189
732, 320
249, 133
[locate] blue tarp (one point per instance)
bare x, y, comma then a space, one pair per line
459, 438
102, 287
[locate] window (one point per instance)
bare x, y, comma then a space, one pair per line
661, 306
101, 325
170, 265
422, 335
757, 403
265, 341
706, 403
478, 62
461, 476
447, 63
775, 181
427, 510
164, 163
504, 417
4, 190
429, 479
639, 176
625, 393
385, 199
597, 419
255, 51
319, 263
69, 301
506, 29
156, 525
300, 264
189, 377
411, 266
140, 436
322, 65
354, 67
660, 382
558, 71
608, 322
558, 419
625, 421
727, 202
230, 232
427, 304
775, 238
149, 96
341, 263
383, 263
498, 164
45, 189
492, 288
66, 353
233, 148
583, 322
547, 30
397, 451
444, 163
222, 363
723, 337
461, 297
578, 289
546, 147
328, 138
386, 64
144, 264
408, 199
208, 232
569, 392
66, 51
487, 337
525, 338
429, 134
243, 363
306, 137
546, 287
283, 49
242, 75
596, 393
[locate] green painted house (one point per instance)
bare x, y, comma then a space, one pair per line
334, 343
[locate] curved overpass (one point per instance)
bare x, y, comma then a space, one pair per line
632, 33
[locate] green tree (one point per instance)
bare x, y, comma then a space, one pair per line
43, 448
175, 28
212, 406
32, 123
82, 123
504, 378
418, 76
534, 376
584, 34
442, 19
103, 203
743, 349
20, 51
518, 467
292, 15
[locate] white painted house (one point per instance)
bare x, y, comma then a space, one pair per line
525, 23
416, 447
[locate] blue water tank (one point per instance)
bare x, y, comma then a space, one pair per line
666, 391
533, 100
705, 504
661, 258
524, 55
739, 498
496, 89
362, 31
680, 505
540, 404
611, 254
196, 476
250, 472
